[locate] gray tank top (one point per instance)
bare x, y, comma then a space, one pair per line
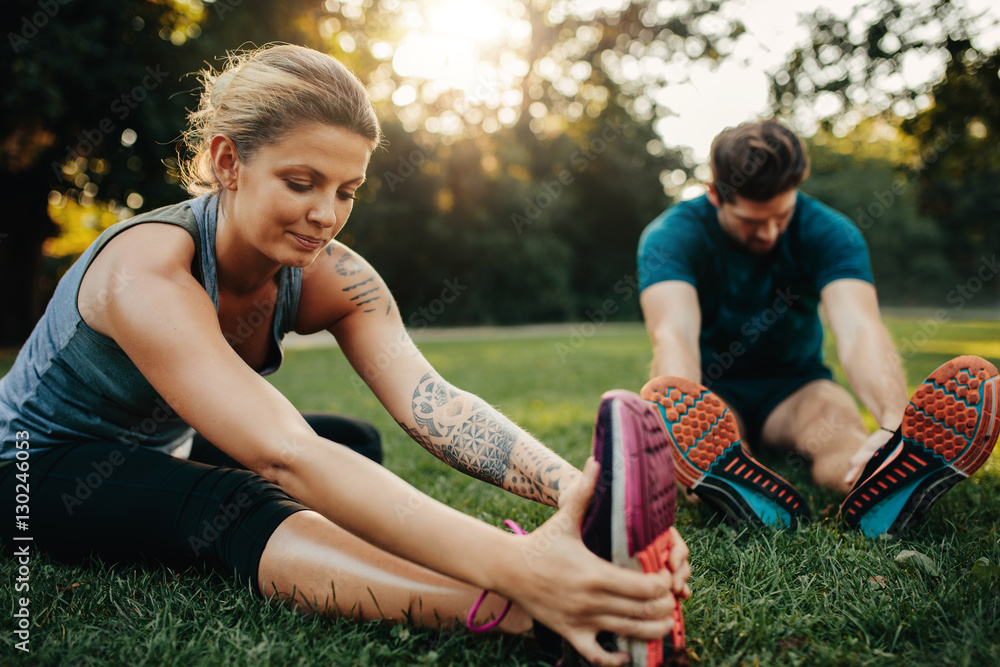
71, 385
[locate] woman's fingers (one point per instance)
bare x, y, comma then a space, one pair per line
585, 640
633, 584
606, 604
678, 549
644, 629
577, 497
679, 564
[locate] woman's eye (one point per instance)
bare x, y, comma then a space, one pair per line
298, 187
344, 196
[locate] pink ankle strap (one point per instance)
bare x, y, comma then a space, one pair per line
470, 620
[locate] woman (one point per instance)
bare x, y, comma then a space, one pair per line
146, 339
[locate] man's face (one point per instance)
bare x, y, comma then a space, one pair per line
755, 225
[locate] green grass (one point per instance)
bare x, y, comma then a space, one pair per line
816, 596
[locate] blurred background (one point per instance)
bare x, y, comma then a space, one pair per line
529, 143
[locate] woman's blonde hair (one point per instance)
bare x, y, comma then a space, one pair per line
261, 95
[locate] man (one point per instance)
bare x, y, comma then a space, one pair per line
731, 284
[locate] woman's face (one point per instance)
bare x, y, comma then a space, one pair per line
293, 196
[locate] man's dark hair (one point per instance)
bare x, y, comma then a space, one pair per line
758, 161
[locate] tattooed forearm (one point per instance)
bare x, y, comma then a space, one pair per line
473, 437
539, 473
462, 431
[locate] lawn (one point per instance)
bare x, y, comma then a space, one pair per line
815, 596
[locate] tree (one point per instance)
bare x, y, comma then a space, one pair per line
97, 101
540, 180
82, 115
958, 136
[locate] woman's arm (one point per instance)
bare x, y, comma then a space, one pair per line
163, 319
457, 427
471, 436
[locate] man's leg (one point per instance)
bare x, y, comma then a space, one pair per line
819, 420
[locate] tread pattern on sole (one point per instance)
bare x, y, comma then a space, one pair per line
949, 429
697, 421
650, 504
708, 454
651, 497
954, 413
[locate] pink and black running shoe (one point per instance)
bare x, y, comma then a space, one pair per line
949, 429
633, 507
711, 462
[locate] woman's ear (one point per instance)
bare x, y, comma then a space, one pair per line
225, 161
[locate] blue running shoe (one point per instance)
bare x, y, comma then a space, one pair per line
710, 461
948, 431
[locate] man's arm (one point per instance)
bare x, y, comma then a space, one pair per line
869, 358
673, 320
865, 349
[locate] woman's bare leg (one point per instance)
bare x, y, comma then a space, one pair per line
331, 571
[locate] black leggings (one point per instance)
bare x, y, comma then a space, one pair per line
125, 504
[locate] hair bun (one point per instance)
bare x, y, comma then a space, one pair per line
220, 86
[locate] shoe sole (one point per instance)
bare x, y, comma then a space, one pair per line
948, 432
710, 460
643, 503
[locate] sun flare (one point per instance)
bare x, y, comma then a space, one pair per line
447, 40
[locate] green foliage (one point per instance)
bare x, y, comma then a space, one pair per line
815, 596
532, 182
81, 80
958, 150
546, 233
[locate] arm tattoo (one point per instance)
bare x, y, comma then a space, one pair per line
366, 291
474, 438
463, 432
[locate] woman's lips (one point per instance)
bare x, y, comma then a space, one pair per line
309, 242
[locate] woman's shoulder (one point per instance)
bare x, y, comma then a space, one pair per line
337, 263
154, 248
151, 234
340, 281
151, 243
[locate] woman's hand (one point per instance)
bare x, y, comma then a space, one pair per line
575, 593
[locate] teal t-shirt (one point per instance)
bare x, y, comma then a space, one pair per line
759, 313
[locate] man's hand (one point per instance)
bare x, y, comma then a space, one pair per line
868, 448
